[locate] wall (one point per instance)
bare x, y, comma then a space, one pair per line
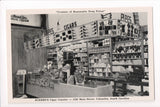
21, 59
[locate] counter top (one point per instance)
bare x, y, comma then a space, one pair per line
62, 90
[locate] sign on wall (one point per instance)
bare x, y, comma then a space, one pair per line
30, 20
126, 18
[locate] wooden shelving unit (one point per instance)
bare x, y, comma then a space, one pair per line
52, 56
99, 55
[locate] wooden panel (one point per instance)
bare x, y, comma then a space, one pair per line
18, 58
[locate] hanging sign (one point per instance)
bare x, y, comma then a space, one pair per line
71, 25
19, 18
106, 16
126, 18
30, 20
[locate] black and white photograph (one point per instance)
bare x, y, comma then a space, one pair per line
81, 55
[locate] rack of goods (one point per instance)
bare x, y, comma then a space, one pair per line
80, 57
145, 46
146, 63
127, 57
99, 57
52, 57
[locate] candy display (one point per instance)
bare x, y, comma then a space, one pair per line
44, 77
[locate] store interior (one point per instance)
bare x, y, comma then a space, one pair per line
103, 57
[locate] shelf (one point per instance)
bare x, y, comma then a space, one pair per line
52, 53
97, 38
87, 39
128, 59
126, 65
99, 78
67, 59
81, 66
125, 37
126, 53
51, 58
99, 52
80, 52
130, 46
126, 41
79, 48
97, 67
98, 47
80, 57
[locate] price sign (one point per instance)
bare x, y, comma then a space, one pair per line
106, 16
126, 18
71, 25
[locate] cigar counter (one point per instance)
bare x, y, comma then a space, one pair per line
99, 59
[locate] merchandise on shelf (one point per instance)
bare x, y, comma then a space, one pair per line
108, 27
127, 47
146, 58
99, 46
122, 69
145, 41
126, 53
127, 62
99, 57
52, 57
99, 64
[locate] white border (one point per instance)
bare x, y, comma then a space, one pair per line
82, 4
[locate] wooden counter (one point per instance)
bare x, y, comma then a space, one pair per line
65, 90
